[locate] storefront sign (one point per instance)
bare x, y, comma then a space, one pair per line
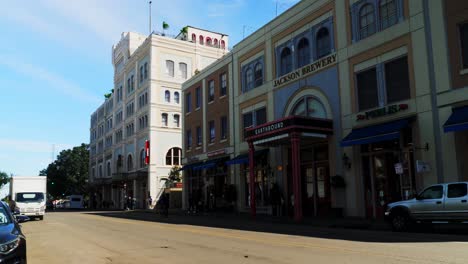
388, 110
269, 128
216, 152
147, 152
306, 70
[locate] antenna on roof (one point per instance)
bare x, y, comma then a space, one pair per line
150, 16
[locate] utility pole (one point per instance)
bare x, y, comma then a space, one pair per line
150, 17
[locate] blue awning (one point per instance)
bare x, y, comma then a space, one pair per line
458, 120
190, 166
244, 158
206, 165
376, 133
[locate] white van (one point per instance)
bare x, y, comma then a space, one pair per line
75, 202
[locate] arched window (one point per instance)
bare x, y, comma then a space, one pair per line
167, 96
100, 171
223, 44
164, 119
129, 162
323, 42
173, 156
142, 158
208, 41
109, 172
303, 52
286, 61
249, 79
119, 161
194, 38
215, 42
309, 106
366, 21
388, 13
201, 40
176, 97
183, 70
258, 74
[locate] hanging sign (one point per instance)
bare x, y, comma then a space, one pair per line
147, 152
422, 166
388, 110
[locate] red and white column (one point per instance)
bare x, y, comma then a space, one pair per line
253, 207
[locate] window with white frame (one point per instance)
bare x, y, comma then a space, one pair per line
223, 81
383, 84
164, 119
249, 79
303, 52
188, 139
224, 127
167, 96
258, 74
146, 70
173, 156
253, 118
197, 97
212, 128
309, 106
183, 70
200, 39
199, 136
211, 91
177, 120
170, 68
176, 97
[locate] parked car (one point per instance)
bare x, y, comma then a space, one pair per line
12, 240
446, 202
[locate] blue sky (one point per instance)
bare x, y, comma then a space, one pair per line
55, 63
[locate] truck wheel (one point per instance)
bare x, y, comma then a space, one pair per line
400, 222
41, 217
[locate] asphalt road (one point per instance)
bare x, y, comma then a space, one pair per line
79, 237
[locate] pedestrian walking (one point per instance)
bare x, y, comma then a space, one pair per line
150, 202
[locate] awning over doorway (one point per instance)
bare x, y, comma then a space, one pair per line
458, 120
190, 165
209, 163
375, 133
244, 158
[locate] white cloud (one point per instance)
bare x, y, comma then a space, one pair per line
53, 80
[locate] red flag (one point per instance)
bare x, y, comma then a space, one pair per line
147, 152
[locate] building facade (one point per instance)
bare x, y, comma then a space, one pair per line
340, 107
141, 118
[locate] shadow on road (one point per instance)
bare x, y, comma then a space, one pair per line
438, 233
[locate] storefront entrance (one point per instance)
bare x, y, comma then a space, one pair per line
382, 183
316, 189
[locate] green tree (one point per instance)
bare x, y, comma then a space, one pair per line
68, 174
173, 177
4, 178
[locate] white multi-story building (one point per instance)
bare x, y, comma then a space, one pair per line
145, 105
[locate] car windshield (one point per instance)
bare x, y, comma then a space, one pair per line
4, 215
31, 197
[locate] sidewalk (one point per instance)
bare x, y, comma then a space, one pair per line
235, 219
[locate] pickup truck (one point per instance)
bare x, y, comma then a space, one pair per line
447, 202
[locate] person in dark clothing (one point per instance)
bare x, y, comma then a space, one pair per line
165, 204
275, 196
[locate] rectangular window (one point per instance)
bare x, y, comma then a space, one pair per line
260, 116
457, 190
211, 91
212, 131
397, 80
183, 70
464, 44
170, 68
223, 81
146, 70
367, 89
247, 120
223, 127
188, 103
177, 120
199, 136
188, 139
198, 97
